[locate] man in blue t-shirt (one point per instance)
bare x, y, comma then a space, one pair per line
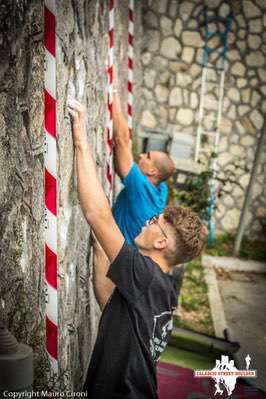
145, 191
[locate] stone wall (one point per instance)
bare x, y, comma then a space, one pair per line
21, 173
81, 72
81, 61
172, 55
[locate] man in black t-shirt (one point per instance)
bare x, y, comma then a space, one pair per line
137, 317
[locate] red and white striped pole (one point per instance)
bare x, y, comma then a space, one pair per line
50, 184
130, 65
110, 101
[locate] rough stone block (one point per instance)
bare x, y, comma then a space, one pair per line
194, 100
164, 77
255, 59
192, 38
185, 10
173, 7
255, 25
254, 41
255, 98
245, 95
166, 26
185, 116
159, 6
233, 94
242, 33
170, 48
243, 109
262, 74
263, 90
172, 114
148, 119
146, 58
161, 93
257, 119
152, 39
159, 63
183, 79
247, 141
177, 66
175, 98
178, 27
188, 54
151, 20
250, 9
231, 219
234, 55
149, 77
241, 83
195, 70
238, 69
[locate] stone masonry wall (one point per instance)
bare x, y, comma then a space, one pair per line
21, 174
172, 55
81, 72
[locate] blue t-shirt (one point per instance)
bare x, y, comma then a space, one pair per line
137, 202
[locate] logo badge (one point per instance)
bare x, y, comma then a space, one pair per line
225, 374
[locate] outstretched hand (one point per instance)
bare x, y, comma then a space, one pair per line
78, 113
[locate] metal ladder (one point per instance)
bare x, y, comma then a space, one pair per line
213, 76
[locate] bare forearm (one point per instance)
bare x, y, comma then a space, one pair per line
121, 131
102, 292
92, 197
102, 285
123, 154
91, 194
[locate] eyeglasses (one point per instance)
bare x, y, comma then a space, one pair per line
155, 220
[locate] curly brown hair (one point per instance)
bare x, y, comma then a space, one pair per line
190, 234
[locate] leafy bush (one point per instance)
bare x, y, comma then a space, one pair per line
195, 193
224, 246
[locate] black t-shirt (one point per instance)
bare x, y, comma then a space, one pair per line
134, 329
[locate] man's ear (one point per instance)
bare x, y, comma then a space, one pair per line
160, 243
152, 171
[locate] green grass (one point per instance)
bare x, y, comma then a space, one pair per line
194, 312
194, 294
183, 358
194, 309
224, 245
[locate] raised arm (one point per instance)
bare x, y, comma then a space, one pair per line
102, 285
123, 154
92, 197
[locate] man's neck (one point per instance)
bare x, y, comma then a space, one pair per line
161, 262
154, 180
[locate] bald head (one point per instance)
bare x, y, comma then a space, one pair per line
164, 164
156, 165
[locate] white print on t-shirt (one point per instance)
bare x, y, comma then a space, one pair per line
162, 327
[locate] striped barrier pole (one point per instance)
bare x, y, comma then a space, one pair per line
50, 185
130, 64
109, 168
